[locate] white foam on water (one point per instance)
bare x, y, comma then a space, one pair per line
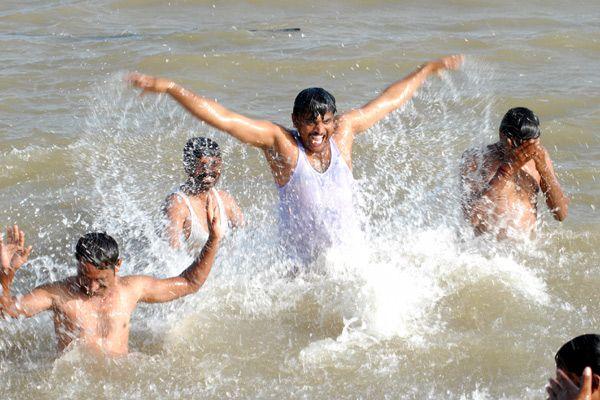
402, 282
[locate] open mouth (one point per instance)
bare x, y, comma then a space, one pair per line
316, 140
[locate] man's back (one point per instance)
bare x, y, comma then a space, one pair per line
514, 206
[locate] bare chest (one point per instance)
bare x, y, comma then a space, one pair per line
94, 318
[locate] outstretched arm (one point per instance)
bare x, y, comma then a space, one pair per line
257, 133
556, 200
13, 254
154, 290
396, 95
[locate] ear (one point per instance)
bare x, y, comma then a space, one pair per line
118, 265
595, 382
295, 121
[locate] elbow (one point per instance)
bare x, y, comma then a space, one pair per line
560, 214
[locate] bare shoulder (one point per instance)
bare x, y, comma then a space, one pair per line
59, 289
136, 284
175, 205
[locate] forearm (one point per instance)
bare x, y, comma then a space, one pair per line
197, 273
8, 307
401, 91
204, 109
556, 200
392, 98
6, 279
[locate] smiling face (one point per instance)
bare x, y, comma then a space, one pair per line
205, 175
315, 132
94, 281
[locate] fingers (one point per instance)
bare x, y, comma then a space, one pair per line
453, 62
210, 209
551, 393
586, 387
21, 238
564, 380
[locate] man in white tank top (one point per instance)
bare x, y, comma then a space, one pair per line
312, 164
185, 208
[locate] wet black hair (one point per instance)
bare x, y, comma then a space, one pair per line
312, 102
578, 353
99, 249
196, 148
520, 124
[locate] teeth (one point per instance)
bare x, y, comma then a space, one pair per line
317, 140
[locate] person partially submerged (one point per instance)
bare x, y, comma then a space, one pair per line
185, 208
500, 184
577, 370
94, 307
312, 163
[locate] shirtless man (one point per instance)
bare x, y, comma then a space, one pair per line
185, 209
94, 307
311, 164
500, 185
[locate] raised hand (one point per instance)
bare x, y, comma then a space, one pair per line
452, 62
13, 253
563, 388
150, 83
519, 157
213, 218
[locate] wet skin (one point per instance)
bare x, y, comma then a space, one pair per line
198, 188
500, 187
94, 307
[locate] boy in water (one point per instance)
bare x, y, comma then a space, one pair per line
577, 368
186, 208
94, 307
500, 185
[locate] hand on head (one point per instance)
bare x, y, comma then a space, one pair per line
213, 218
531, 149
563, 388
149, 83
13, 253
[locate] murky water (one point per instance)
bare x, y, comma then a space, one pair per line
418, 311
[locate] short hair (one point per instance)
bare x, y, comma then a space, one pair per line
314, 101
196, 148
99, 249
578, 353
520, 123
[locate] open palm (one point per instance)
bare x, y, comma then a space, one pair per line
13, 253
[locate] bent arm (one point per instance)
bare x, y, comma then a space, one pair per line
40, 299
154, 290
396, 95
556, 200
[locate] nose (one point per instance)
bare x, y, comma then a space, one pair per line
320, 128
94, 286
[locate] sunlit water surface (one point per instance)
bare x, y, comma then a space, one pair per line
418, 309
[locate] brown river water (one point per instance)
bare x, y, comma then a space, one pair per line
422, 310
